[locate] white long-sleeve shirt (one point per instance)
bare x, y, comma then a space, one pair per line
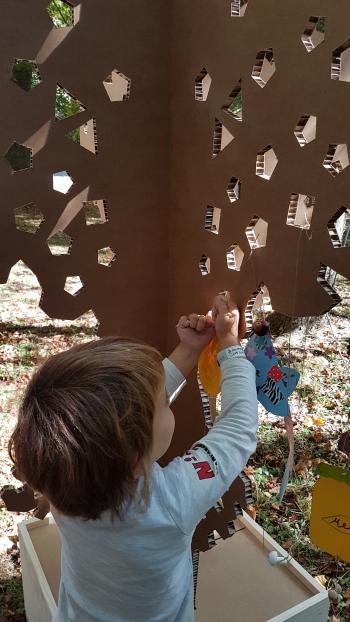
140, 569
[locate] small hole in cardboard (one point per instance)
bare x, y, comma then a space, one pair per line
60, 243
301, 207
106, 256
234, 105
73, 285
256, 232
238, 8
28, 218
264, 67
248, 312
212, 219
305, 130
61, 13
202, 85
25, 73
266, 162
85, 136
323, 278
262, 304
314, 33
222, 137
204, 265
341, 62
62, 182
95, 212
339, 228
234, 189
66, 104
118, 86
337, 159
234, 257
19, 157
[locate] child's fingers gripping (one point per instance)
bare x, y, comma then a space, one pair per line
183, 322
194, 318
201, 324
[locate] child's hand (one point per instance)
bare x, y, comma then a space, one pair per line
195, 331
226, 318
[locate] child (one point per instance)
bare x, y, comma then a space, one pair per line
93, 423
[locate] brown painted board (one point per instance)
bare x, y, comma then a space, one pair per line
170, 149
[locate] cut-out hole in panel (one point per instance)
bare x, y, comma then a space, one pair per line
322, 279
95, 212
264, 67
25, 296
248, 313
73, 285
301, 207
234, 189
25, 73
339, 228
28, 218
337, 159
212, 219
60, 243
222, 137
341, 63
305, 130
234, 105
118, 86
313, 34
256, 232
62, 182
85, 136
66, 105
204, 265
61, 13
266, 162
262, 304
202, 85
238, 8
105, 256
19, 157
234, 257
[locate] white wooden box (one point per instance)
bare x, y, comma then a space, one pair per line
236, 582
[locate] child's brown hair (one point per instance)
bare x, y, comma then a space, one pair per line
86, 422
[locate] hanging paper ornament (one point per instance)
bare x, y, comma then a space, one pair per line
274, 384
208, 369
330, 511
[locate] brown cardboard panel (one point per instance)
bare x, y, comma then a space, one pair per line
155, 168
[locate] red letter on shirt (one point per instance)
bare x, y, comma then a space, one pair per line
204, 470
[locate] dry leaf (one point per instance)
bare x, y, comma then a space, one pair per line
249, 470
251, 511
301, 468
287, 544
275, 506
321, 579
328, 446
317, 420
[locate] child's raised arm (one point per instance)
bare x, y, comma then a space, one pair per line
192, 484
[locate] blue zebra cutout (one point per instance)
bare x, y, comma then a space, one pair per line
274, 384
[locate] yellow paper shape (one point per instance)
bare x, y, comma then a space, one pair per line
209, 371
330, 512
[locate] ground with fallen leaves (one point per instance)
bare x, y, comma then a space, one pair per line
319, 349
